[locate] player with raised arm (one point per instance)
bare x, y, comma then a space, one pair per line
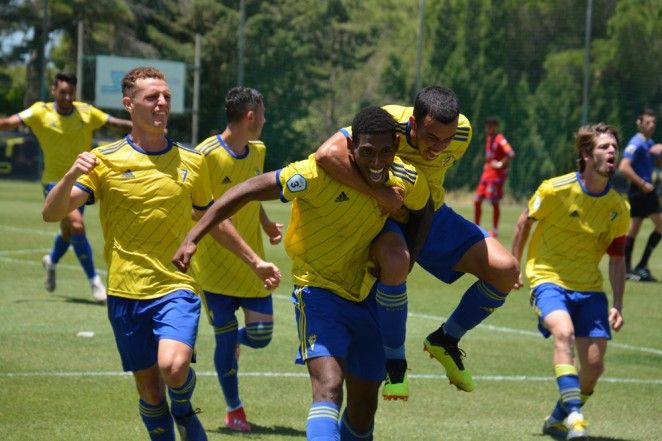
64, 128
148, 186
328, 239
434, 136
228, 284
580, 218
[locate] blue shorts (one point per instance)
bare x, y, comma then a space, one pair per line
220, 308
138, 325
450, 237
589, 310
330, 326
48, 187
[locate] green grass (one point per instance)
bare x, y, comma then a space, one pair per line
56, 386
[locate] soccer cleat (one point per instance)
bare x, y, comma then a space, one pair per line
98, 289
632, 276
445, 350
396, 391
577, 426
554, 428
49, 266
236, 420
644, 275
190, 428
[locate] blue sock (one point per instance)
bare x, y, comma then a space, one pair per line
568, 383
559, 413
257, 334
477, 303
60, 246
157, 420
347, 433
84, 253
180, 398
392, 317
225, 360
322, 423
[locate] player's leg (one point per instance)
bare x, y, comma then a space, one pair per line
456, 246
137, 346
50, 260
653, 239
73, 229
391, 254
478, 201
364, 370
637, 215
176, 325
220, 311
258, 322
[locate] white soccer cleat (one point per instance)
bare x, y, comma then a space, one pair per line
49, 266
98, 289
577, 426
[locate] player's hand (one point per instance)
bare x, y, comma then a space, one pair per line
496, 164
615, 319
274, 231
182, 258
656, 149
269, 274
647, 187
389, 199
519, 282
84, 163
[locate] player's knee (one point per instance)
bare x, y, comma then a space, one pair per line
394, 266
256, 335
76, 228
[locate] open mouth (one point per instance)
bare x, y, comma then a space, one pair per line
376, 175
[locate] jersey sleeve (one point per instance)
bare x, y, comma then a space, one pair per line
299, 179
622, 221
98, 118
417, 194
201, 194
631, 151
90, 183
32, 114
542, 202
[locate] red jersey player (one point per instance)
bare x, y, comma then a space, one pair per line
498, 153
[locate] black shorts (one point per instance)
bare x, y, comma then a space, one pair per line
644, 204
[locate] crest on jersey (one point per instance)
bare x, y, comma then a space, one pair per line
296, 183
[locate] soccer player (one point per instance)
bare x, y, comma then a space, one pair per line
638, 163
228, 284
147, 186
328, 239
434, 136
64, 128
580, 218
498, 154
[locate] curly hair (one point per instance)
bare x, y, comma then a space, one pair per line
138, 73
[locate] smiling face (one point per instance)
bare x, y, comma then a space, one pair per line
604, 156
431, 136
149, 104
64, 94
373, 154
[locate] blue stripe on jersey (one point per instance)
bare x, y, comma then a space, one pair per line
280, 186
404, 176
88, 190
345, 133
112, 148
205, 207
403, 169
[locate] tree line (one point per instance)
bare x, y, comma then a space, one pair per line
318, 61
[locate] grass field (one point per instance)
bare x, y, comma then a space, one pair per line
58, 386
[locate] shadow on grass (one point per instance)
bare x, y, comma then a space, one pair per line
591, 437
261, 430
80, 301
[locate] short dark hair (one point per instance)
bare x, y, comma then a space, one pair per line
585, 140
439, 102
139, 73
492, 120
239, 100
65, 77
372, 120
646, 112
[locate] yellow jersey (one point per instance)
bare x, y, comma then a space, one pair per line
62, 137
574, 230
435, 170
145, 212
217, 269
332, 225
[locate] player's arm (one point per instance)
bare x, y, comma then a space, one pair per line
333, 156
64, 197
11, 122
228, 236
272, 229
417, 229
616, 253
119, 123
260, 188
656, 151
509, 155
625, 167
520, 236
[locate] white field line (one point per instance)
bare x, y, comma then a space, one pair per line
494, 378
40, 231
436, 318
